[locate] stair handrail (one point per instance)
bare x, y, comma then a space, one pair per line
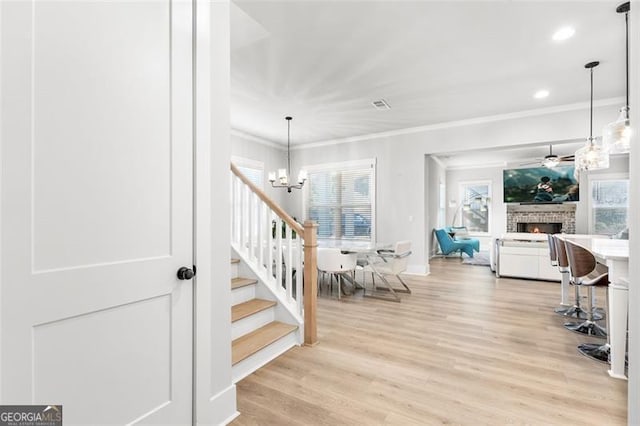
283, 236
268, 201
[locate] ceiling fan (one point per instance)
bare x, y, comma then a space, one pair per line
551, 160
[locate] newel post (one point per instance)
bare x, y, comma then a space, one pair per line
310, 282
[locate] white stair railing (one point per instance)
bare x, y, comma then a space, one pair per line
276, 247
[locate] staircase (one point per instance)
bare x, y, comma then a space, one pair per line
257, 336
274, 278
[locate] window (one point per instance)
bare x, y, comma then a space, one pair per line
253, 170
474, 203
340, 198
609, 206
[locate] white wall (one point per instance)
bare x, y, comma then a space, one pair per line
402, 192
273, 157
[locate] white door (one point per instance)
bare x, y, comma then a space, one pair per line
96, 208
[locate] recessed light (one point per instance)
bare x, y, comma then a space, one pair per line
564, 33
541, 94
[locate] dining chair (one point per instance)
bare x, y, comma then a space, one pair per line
333, 262
390, 262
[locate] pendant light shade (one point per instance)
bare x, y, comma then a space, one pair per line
616, 136
591, 156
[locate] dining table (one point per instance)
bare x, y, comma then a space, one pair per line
615, 255
370, 252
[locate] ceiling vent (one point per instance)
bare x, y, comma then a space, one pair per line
381, 104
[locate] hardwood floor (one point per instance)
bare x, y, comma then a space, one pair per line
464, 348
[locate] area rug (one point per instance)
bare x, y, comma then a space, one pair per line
481, 259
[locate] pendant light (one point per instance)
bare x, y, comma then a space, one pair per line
616, 136
283, 174
591, 156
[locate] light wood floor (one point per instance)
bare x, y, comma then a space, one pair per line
464, 348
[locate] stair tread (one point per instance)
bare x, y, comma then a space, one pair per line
245, 309
233, 260
241, 282
245, 346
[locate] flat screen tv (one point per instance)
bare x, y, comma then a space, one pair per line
540, 185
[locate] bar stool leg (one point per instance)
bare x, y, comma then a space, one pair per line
588, 327
594, 350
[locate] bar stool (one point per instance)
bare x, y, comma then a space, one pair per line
564, 271
574, 311
585, 271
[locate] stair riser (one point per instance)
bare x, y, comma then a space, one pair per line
243, 294
252, 322
234, 270
263, 356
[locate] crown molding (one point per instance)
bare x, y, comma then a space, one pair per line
467, 122
256, 139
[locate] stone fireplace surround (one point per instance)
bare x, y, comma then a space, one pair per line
542, 213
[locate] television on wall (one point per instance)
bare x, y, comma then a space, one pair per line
540, 185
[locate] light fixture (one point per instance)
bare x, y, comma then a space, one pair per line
591, 156
551, 160
541, 94
616, 136
563, 34
283, 174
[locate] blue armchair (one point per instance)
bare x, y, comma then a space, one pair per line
448, 245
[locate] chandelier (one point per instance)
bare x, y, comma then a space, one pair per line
283, 174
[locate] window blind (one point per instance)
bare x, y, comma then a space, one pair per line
610, 205
340, 198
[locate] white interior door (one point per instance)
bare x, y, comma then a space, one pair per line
96, 208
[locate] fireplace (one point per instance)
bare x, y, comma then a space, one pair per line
540, 228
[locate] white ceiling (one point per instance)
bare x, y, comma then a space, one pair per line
324, 62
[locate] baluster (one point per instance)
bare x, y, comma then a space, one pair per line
289, 263
232, 191
299, 274
261, 239
269, 218
250, 221
278, 254
243, 202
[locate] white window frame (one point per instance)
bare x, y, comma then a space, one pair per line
590, 207
250, 164
345, 165
461, 192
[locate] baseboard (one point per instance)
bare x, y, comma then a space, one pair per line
219, 409
230, 419
419, 270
